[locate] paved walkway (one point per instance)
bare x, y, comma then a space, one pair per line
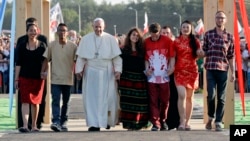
78, 130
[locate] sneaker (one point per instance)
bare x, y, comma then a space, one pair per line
154, 128
164, 126
209, 124
218, 127
56, 127
64, 128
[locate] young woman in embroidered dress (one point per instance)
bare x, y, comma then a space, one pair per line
133, 83
187, 49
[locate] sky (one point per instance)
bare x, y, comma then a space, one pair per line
112, 1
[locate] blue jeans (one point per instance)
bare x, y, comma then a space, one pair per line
216, 79
56, 91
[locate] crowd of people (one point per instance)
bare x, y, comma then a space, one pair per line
245, 67
4, 63
137, 80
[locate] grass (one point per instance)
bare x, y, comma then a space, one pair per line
239, 118
7, 122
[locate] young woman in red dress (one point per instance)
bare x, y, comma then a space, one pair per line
28, 77
186, 49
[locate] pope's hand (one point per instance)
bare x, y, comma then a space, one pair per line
78, 76
117, 75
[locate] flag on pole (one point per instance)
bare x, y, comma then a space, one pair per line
199, 29
239, 26
145, 30
56, 17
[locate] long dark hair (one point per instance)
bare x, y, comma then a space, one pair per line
192, 37
138, 45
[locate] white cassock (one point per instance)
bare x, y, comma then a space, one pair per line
98, 57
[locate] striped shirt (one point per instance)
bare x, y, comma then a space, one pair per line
218, 50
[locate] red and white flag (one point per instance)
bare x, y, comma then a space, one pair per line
199, 29
56, 17
239, 26
145, 30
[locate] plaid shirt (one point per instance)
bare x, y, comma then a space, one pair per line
218, 50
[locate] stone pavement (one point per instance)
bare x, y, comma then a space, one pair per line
78, 130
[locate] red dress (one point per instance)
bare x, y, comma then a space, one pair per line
31, 90
186, 69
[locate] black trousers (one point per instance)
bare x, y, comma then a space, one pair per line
40, 113
173, 118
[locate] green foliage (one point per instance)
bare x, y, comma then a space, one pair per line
71, 17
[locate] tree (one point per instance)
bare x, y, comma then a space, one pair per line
70, 17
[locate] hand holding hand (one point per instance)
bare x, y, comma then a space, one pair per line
149, 72
117, 75
79, 76
170, 71
44, 75
200, 53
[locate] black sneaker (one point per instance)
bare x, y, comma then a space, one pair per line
218, 127
56, 127
154, 128
164, 126
64, 128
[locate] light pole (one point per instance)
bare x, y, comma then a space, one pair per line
79, 14
175, 13
136, 17
115, 29
176, 29
79, 20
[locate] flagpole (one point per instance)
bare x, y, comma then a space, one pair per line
136, 16
79, 22
2, 11
12, 42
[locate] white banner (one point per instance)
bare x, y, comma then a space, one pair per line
56, 17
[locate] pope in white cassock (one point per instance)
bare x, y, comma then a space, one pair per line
99, 65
